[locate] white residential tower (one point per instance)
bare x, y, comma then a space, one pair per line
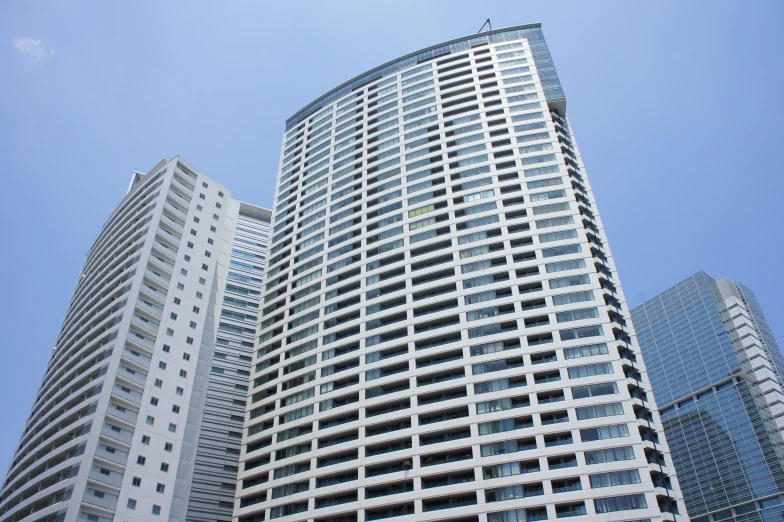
139, 414
443, 332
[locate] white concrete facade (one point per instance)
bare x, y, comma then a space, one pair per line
113, 430
443, 333
759, 356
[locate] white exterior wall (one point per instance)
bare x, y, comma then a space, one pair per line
758, 357
136, 265
299, 180
207, 488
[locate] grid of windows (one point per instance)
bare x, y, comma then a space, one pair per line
406, 309
715, 422
130, 272
122, 380
224, 408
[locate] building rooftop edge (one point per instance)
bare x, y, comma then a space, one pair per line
409, 55
248, 209
682, 281
255, 211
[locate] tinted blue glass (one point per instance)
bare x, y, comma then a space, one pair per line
722, 452
684, 343
725, 446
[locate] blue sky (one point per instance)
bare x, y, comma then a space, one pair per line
677, 109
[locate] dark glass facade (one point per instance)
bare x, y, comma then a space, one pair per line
725, 445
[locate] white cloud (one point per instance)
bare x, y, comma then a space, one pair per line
37, 50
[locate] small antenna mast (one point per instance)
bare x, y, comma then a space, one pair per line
487, 23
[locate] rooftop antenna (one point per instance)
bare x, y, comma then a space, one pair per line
488, 24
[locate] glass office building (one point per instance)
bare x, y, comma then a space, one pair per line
443, 333
715, 368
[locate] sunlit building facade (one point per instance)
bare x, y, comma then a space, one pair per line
443, 333
139, 414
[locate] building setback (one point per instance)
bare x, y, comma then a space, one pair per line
716, 371
443, 333
139, 414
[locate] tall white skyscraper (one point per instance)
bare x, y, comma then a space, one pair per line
443, 332
139, 414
